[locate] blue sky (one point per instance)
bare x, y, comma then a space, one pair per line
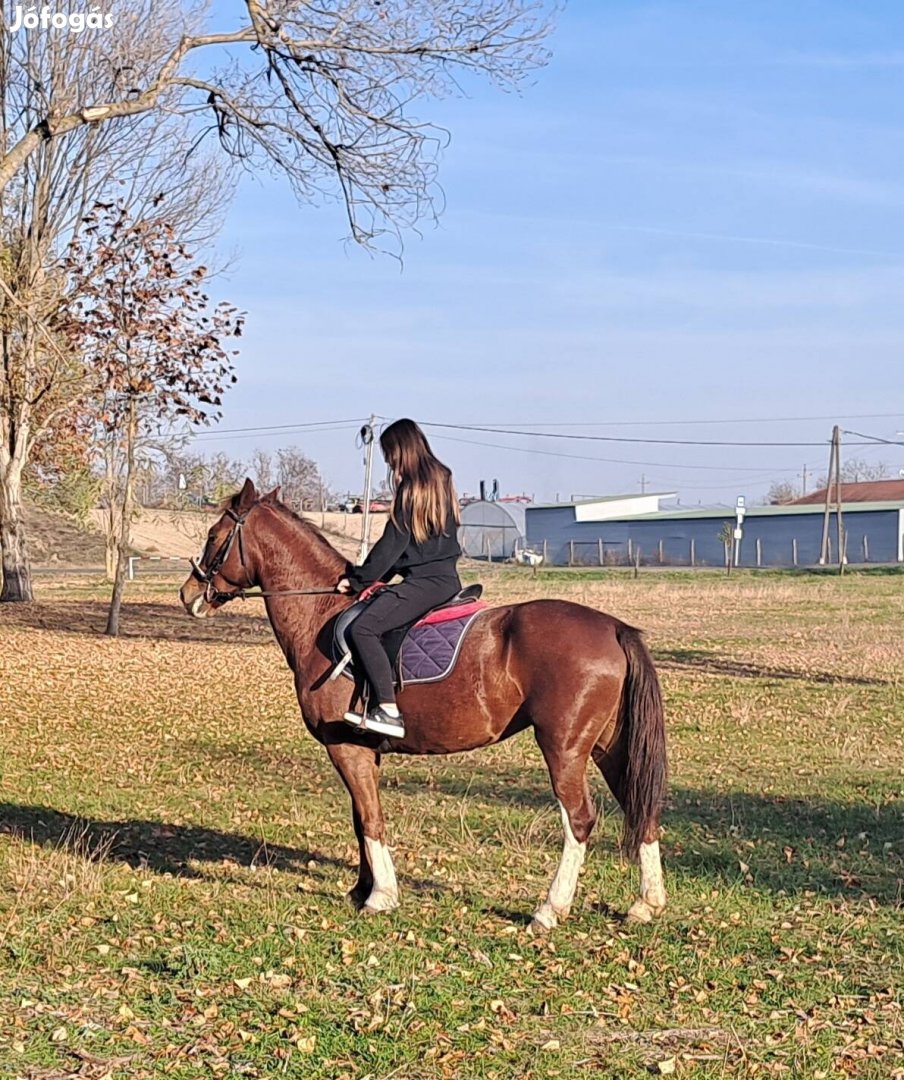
695, 213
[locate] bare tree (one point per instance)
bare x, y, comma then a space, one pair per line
858, 470
782, 492
42, 377
225, 476
144, 323
262, 470
321, 93
299, 479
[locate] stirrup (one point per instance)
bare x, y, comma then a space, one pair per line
354, 719
340, 667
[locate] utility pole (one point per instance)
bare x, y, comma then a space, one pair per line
839, 521
643, 483
367, 439
834, 480
804, 481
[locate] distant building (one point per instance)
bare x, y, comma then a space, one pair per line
611, 531
862, 491
492, 529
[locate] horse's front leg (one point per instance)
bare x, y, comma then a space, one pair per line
359, 767
365, 883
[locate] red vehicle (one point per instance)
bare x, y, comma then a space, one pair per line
377, 506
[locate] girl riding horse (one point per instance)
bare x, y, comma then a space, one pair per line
420, 545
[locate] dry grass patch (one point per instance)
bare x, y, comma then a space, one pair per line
175, 849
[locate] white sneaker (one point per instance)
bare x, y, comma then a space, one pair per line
354, 718
381, 722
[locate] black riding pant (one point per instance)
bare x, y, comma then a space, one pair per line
393, 608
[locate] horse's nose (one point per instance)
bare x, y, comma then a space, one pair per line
189, 593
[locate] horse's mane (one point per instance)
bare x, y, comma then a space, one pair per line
290, 517
288, 514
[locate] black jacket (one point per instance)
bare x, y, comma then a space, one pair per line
397, 552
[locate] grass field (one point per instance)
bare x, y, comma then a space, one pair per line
175, 849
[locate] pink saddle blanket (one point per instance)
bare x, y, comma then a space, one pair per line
438, 615
456, 611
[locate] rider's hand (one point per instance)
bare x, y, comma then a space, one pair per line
344, 586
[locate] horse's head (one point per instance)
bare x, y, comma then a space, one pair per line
224, 568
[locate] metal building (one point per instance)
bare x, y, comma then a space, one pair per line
492, 530
600, 534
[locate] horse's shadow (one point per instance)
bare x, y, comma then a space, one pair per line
153, 845
178, 850
157, 620
775, 843
706, 661
790, 844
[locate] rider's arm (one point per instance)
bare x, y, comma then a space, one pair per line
380, 563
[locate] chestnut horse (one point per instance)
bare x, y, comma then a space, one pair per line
584, 682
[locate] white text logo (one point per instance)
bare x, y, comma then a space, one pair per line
45, 19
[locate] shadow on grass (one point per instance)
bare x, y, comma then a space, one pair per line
793, 845
702, 660
161, 621
789, 845
152, 845
171, 849
845, 848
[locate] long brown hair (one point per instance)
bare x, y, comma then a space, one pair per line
424, 493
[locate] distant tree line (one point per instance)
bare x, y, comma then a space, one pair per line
168, 475
182, 478
853, 471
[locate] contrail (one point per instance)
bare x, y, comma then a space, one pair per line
765, 241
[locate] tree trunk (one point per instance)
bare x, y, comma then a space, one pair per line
16, 570
125, 522
111, 543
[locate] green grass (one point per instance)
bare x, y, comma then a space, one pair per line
175, 851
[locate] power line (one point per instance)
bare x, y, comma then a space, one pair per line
608, 461
272, 429
501, 428
874, 439
626, 438
692, 423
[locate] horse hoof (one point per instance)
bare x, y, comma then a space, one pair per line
538, 929
383, 906
367, 910
640, 912
357, 899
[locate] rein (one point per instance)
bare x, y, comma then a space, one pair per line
205, 574
249, 594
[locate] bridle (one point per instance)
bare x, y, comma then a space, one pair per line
206, 574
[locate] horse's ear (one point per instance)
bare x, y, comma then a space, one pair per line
271, 496
246, 498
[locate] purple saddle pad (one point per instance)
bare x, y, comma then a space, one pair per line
429, 652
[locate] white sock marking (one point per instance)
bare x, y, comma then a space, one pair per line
564, 885
385, 894
652, 890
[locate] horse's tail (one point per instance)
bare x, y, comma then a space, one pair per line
644, 782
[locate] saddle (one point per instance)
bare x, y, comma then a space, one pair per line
425, 651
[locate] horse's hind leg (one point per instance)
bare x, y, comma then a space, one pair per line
611, 762
568, 773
